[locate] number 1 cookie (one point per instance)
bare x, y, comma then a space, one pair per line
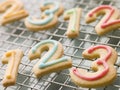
13, 58
110, 20
52, 61
12, 11
103, 70
74, 22
49, 17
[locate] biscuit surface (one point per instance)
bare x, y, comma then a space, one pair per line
103, 71
52, 61
109, 22
49, 17
12, 10
13, 59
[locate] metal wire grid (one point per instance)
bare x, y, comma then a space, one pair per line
16, 35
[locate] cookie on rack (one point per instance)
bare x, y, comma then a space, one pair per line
103, 71
51, 10
73, 15
13, 59
52, 61
110, 20
12, 10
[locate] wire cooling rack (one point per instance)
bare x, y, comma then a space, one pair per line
16, 35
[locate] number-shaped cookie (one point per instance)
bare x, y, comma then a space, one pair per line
49, 17
103, 68
52, 61
13, 11
74, 22
109, 22
13, 58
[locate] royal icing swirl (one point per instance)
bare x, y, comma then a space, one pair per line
49, 13
73, 18
101, 61
106, 23
41, 22
12, 54
53, 10
44, 63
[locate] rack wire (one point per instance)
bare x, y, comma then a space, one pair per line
16, 35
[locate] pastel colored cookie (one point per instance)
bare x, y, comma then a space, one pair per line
49, 17
13, 59
12, 10
110, 20
52, 61
103, 71
74, 22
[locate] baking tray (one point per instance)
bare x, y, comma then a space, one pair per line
16, 35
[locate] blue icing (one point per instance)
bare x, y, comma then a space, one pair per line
44, 62
43, 65
49, 12
56, 6
41, 22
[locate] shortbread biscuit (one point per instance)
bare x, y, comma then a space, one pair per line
104, 72
12, 10
49, 17
74, 22
52, 61
13, 58
110, 20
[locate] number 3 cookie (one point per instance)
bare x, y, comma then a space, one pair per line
49, 17
13, 11
109, 22
103, 73
52, 61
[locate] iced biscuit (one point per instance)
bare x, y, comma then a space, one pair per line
52, 61
49, 17
103, 70
110, 20
13, 58
12, 10
74, 22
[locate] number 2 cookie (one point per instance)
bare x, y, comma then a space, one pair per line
52, 61
12, 10
110, 20
49, 17
103, 70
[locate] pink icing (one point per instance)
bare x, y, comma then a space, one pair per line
104, 47
100, 8
105, 24
99, 62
